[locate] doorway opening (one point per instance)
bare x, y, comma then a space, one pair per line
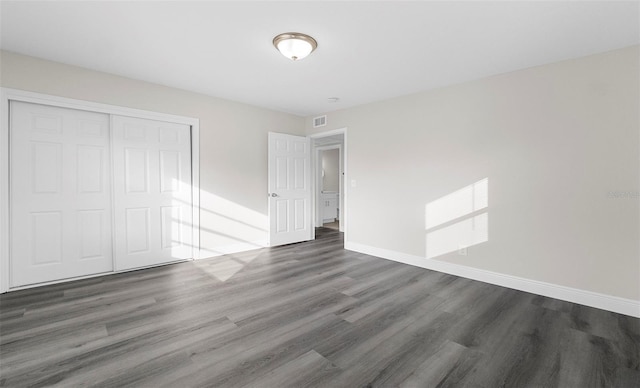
329, 154
329, 159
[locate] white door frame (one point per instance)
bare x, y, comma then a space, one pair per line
343, 184
319, 177
7, 95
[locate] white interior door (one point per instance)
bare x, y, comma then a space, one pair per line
289, 189
152, 192
60, 194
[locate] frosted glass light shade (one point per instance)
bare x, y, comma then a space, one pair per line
294, 45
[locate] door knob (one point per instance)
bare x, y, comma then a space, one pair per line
274, 194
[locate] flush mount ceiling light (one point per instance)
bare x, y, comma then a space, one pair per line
295, 45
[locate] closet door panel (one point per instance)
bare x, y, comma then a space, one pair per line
59, 194
152, 192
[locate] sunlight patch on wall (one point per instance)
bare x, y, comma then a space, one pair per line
458, 220
227, 228
236, 214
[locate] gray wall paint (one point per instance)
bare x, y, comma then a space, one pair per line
331, 167
554, 141
233, 139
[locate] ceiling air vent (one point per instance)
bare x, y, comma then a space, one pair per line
320, 121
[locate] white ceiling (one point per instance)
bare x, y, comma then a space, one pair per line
367, 51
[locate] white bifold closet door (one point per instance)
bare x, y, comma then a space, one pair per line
92, 193
60, 194
152, 192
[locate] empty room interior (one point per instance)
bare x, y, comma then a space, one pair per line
320, 194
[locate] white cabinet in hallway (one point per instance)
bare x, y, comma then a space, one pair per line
329, 205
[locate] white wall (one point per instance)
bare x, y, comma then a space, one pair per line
233, 140
331, 168
554, 141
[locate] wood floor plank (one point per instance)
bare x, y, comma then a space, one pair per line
280, 325
447, 367
368, 368
245, 364
307, 315
307, 370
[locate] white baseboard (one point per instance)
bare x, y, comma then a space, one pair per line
593, 299
233, 248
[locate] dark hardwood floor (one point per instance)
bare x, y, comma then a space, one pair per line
307, 315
